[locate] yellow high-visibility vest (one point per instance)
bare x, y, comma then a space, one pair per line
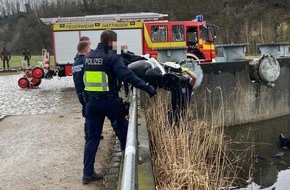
96, 81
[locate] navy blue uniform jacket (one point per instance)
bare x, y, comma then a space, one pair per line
78, 74
115, 68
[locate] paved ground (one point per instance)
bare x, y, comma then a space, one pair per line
41, 137
52, 97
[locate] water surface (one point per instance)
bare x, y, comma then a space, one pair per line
270, 169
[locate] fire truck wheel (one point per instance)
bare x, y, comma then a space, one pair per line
23, 82
37, 72
193, 57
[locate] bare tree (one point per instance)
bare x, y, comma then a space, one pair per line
239, 21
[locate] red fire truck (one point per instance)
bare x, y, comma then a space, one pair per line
142, 33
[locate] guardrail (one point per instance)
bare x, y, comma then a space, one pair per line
130, 171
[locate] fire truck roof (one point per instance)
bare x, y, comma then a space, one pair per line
143, 16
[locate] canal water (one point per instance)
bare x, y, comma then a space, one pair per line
258, 142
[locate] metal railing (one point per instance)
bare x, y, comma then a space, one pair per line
130, 170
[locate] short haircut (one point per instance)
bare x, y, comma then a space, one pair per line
82, 45
108, 36
84, 38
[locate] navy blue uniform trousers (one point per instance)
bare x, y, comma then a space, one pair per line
97, 108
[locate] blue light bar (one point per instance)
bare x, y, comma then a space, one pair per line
199, 18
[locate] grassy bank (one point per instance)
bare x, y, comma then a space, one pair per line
15, 63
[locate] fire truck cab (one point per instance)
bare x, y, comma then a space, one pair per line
196, 35
141, 33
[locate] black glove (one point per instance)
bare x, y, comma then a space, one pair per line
150, 90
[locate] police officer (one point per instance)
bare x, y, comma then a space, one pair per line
180, 96
83, 48
5, 56
102, 68
181, 83
26, 54
83, 39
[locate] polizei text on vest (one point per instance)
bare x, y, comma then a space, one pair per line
94, 61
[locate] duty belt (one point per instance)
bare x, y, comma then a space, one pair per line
100, 95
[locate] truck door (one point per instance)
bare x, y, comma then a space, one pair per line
192, 38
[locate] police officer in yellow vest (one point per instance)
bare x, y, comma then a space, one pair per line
102, 68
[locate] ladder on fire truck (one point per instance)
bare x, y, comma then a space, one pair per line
143, 16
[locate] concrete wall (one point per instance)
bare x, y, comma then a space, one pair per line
229, 97
276, 49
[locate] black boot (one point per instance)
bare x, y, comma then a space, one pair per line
88, 179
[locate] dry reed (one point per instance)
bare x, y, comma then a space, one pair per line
191, 155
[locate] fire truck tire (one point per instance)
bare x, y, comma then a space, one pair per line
23, 82
193, 56
37, 72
